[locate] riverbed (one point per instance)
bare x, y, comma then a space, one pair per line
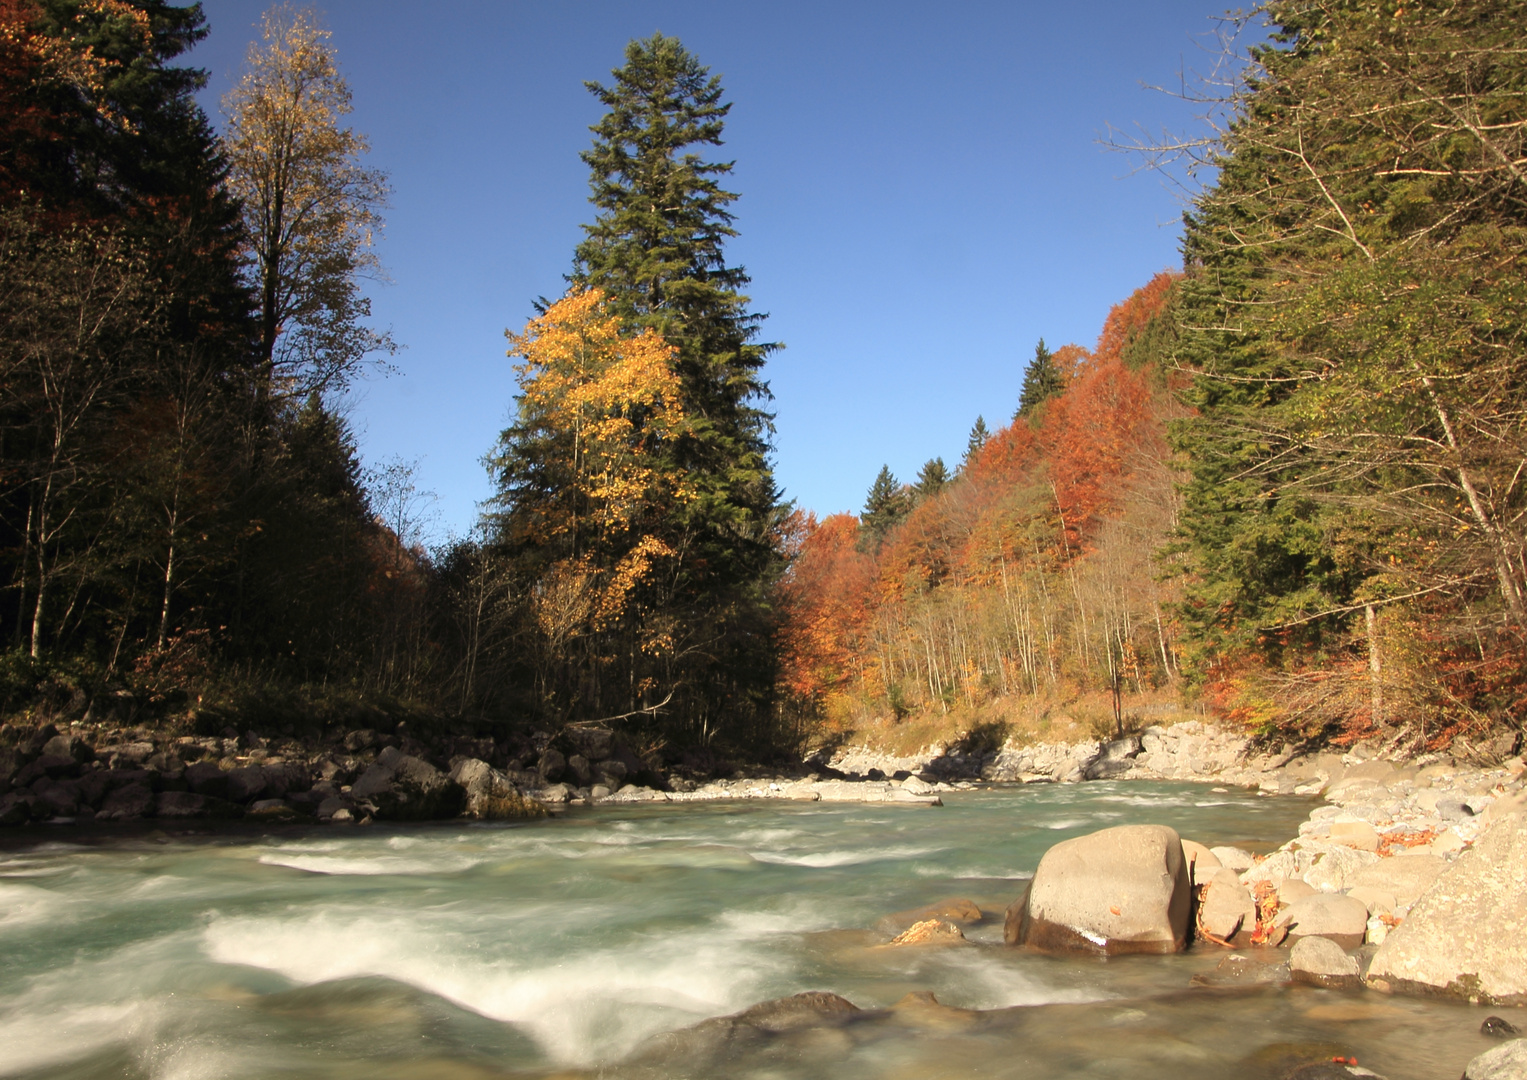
568, 947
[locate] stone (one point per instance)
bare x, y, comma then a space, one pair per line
929, 932
1377, 901
1120, 890
956, 909
1333, 1069
360, 739
188, 804
14, 809
1294, 890
1202, 863
69, 746
405, 788
1233, 857
1319, 961
1340, 918
552, 765
1466, 936
205, 778
286, 778
1355, 834
1505, 1062
578, 765
1335, 869
129, 801
710, 1046
271, 810
1238, 970
1228, 910
1405, 877
1498, 1028
245, 784
913, 785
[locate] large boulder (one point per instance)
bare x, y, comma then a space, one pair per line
1406, 877
1121, 890
1507, 1062
1466, 937
402, 787
710, 1045
491, 796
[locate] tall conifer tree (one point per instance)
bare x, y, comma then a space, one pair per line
655, 250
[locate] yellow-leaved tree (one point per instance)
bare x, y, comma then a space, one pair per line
585, 497
310, 206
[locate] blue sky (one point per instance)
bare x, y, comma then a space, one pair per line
923, 198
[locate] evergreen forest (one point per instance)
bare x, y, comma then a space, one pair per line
1284, 486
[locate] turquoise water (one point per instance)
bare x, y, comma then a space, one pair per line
560, 948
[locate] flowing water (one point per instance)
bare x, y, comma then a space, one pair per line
566, 947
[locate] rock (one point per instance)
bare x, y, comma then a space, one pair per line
1377, 901
955, 909
560, 793
1406, 877
1114, 759
55, 799
1238, 970
1294, 890
288, 777
1340, 918
360, 739
578, 765
271, 810
205, 778
913, 785
14, 810
1334, 1069
1506, 1062
188, 804
929, 932
69, 746
594, 743
1228, 910
1336, 869
1355, 834
407, 788
1466, 936
1121, 890
1234, 858
1497, 1028
717, 1041
1319, 961
246, 783
552, 765
920, 1009
129, 801
1202, 863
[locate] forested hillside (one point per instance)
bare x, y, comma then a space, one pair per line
1288, 484
1284, 486
1030, 577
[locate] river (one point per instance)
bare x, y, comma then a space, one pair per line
560, 948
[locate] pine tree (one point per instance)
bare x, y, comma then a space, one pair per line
1041, 379
886, 504
976, 443
931, 479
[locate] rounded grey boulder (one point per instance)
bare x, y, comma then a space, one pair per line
1121, 890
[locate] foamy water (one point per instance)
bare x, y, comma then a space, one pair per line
568, 944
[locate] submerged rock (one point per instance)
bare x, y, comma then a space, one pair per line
1466, 937
723, 1039
1121, 890
929, 932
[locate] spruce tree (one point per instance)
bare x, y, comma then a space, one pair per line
655, 249
976, 442
931, 479
1041, 380
886, 504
